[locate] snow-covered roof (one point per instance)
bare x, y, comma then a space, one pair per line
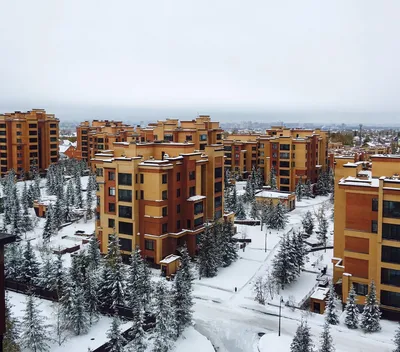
170, 259
272, 194
195, 198
320, 293
353, 181
63, 148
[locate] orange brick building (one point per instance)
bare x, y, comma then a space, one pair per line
27, 139
367, 229
158, 195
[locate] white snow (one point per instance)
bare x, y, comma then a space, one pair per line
195, 198
320, 293
192, 340
271, 194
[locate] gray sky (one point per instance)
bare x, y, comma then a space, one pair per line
340, 55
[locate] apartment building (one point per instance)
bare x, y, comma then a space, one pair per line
27, 139
158, 195
367, 229
293, 153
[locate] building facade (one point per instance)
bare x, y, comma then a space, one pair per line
367, 229
158, 195
28, 139
293, 153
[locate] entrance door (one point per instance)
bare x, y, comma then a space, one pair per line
317, 307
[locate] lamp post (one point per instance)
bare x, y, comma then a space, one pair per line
265, 242
4, 239
280, 308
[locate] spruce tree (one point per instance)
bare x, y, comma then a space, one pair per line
59, 326
397, 340
331, 314
58, 214
138, 341
279, 217
208, 263
11, 336
299, 251
70, 193
36, 185
228, 251
30, 265
34, 334
94, 255
323, 230
105, 285
13, 259
78, 193
91, 292
284, 267
164, 330
16, 219
272, 179
308, 223
371, 315
308, 192
79, 320
249, 191
351, 310
57, 275
299, 189
26, 222
302, 340
233, 199
240, 212
254, 209
49, 224
116, 341
326, 340
45, 278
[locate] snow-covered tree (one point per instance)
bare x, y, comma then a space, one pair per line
351, 310
16, 219
298, 251
36, 184
308, 191
34, 334
331, 313
116, 341
59, 326
11, 336
138, 340
45, 278
91, 187
260, 289
94, 255
284, 267
49, 224
279, 217
308, 222
29, 265
79, 320
302, 339
164, 330
323, 230
299, 189
58, 214
26, 221
91, 292
259, 179
186, 265
78, 193
254, 209
371, 315
208, 262
249, 191
228, 250
396, 340
323, 184
70, 193
240, 212
326, 341
272, 179
13, 259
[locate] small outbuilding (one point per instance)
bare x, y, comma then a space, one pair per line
318, 300
285, 198
170, 264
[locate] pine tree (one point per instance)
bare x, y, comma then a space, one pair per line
302, 340
308, 222
228, 251
249, 191
259, 179
45, 278
233, 199
25, 197
240, 213
397, 340
208, 263
272, 179
298, 251
94, 255
70, 193
105, 286
260, 289
323, 230
49, 224
66, 301
34, 335
331, 314
59, 327
26, 222
11, 336
279, 217
31, 194
308, 192
79, 320
30, 265
284, 268
13, 259
16, 220
57, 275
116, 340
91, 295
351, 309
371, 315
299, 189
36, 185
78, 193
164, 329
326, 340
254, 209
58, 214
138, 341
182, 302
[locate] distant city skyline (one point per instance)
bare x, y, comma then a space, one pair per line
301, 60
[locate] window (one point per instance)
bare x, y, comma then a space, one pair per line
33, 133
125, 211
284, 147
178, 209
164, 228
99, 172
389, 298
361, 289
284, 172
390, 277
374, 204
219, 136
168, 137
125, 195
19, 133
125, 179
284, 164
164, 195
178, 224
33, 147
284, 155
198, 222
218, 214
141, 178
374, 226
111, 191
111, 223
284, 181
218, 187
2, 125
218, 172
218, 201
391, 209
189, 138
125, 244
111, 207
391, 232
52, 146
141, 194
165, 211
391, 254
178, 193
54, 152
192, 191
3, 140
164, 178
192, 175
284, 188
149, 245
198, 208
274, 145
32, 125
111, 175
227, 148
203, 137
53, 132
53, 125
53, 139
125, 228
178, 176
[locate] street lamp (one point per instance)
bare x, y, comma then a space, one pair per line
265, 242
4, 239
280, 308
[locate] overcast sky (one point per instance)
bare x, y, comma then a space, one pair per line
201, 55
